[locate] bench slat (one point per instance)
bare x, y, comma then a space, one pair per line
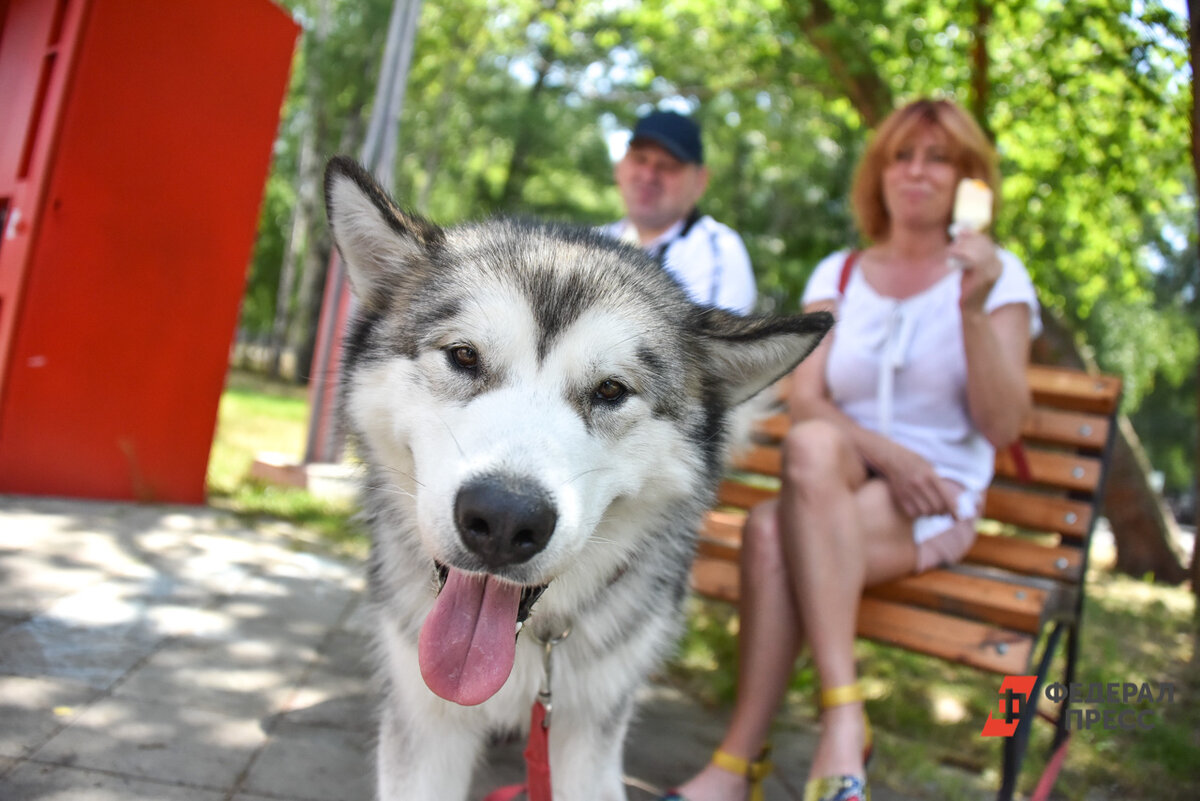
716, 577
1036, 510
1066, 428
774, 426
764, 459
722, 536
980, 645
1055, 469
1061, 562
1044, 424
1073, 389
993, 600
743, 496
967, 642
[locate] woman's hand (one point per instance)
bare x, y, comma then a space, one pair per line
916, 488
976, 252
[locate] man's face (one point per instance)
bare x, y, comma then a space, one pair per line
658, 189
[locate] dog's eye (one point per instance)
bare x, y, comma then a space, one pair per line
464, 357
610, 391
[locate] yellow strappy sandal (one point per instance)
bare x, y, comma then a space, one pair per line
843, 788
754, 770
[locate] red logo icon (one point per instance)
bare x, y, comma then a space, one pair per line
1015, 692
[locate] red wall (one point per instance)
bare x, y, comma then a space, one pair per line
132, 187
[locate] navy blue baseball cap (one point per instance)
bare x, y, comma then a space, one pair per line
677, 134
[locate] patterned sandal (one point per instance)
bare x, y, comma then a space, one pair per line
837, 788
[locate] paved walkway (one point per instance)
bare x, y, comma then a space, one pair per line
178, 654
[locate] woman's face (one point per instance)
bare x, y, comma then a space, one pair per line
920, 181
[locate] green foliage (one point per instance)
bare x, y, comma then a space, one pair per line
1166, 419
258, 304
510, 106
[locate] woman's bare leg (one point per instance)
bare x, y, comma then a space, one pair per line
839, 535
769, 636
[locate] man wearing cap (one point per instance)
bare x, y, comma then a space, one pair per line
661, 178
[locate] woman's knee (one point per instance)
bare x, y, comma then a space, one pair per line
762, 548
814, 454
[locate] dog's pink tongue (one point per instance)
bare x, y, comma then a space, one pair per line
468, 642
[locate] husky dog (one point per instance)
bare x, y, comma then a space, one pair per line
542, 414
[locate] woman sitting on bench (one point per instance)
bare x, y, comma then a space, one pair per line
895, 418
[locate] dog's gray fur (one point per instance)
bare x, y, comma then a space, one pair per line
572, 374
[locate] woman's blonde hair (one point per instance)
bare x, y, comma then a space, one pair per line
972, 153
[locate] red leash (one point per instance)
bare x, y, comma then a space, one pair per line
537, 762
537, 749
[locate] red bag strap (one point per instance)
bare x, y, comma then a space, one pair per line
847, 268
1017, 452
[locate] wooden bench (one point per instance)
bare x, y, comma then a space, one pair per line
1021, 584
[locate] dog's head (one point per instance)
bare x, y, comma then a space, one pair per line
542, 398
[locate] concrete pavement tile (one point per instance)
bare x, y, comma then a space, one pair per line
793, 750
157, 605
503, 764
95, 656
346, 653
82, 533
338, 692
158, 741
246, 677
30, 581
292, 640
290, 563
314, 764
55, 783
289, 598
670, 738
333, 701
8, 621
210, 573
31, 710
257, 797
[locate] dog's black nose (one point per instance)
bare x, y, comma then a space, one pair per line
504, 520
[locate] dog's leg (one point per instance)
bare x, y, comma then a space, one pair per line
423, 761
585, 756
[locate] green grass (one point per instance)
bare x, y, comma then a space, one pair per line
928, 714
258, 416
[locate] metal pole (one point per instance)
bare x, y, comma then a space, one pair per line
325, 442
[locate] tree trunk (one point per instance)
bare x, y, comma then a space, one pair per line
1145, 531
518, 163
433, 157
851, 66
980, 80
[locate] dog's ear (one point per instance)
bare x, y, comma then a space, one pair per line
373, 236
747, 354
